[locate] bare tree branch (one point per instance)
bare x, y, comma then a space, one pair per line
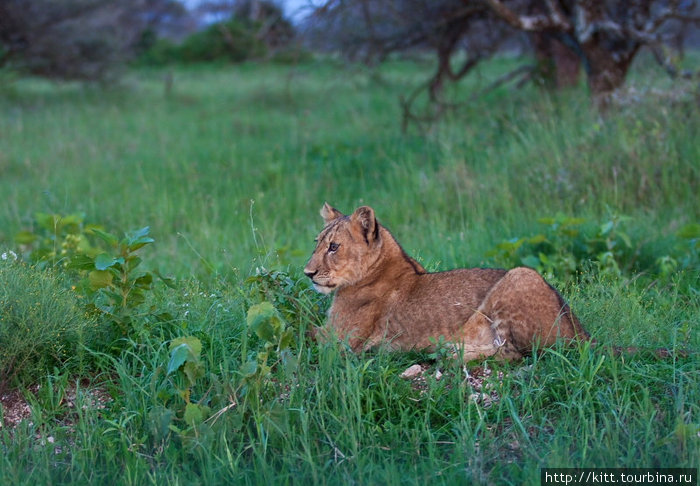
603, 36
524, 72
531, 23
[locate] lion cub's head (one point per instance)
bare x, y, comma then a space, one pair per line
345, 248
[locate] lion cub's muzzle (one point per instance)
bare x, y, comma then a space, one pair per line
319, 287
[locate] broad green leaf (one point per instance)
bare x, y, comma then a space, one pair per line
264, 370
263, 320
140, 243
84, 247
291, 366
537, 239
108, 238
193, 343
606, 227
290, 363
689, 231
286, 339
81, 262
103, 261
47, 221
193, 414
178, 355
136, 297
265, 329
100, 279
165, 394
115, 296
133, 235
193, 371
25, 238
572, 221
276, 417
531, 261
260, 312
133, 262
249, 368
511, 245
137, 239
144, 281
160, 419
72, 222
88, 228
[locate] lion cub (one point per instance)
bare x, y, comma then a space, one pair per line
384, 296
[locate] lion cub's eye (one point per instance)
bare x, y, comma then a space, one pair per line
333, 247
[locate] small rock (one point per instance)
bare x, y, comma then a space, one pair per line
412, 371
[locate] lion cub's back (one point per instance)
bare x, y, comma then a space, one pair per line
465, 287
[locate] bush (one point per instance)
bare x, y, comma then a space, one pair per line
267, 34
564, 250
104, 271
160, 53
85, 40
227, 41
42, 324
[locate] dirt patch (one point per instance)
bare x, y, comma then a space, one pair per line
16, 406
479, 379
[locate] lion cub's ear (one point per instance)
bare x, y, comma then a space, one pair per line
363, 218
329, 213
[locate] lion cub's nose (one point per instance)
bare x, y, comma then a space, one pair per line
310, 273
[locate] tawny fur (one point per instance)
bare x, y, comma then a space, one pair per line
383, 296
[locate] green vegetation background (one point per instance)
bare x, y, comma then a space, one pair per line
229, 168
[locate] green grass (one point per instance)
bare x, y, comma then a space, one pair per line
230, 171
42, 324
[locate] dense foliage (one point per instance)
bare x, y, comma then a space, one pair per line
72, 39
42, 324
268, 35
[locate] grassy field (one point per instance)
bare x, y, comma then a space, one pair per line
230, 168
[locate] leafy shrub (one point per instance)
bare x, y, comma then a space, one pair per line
564, 249
187, 392
225, 41
178, 411
42, 323
235, 40
231, 41
105, 270
293, 299
159, 53
56, 239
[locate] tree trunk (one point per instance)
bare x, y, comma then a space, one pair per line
606, 70
557, 66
